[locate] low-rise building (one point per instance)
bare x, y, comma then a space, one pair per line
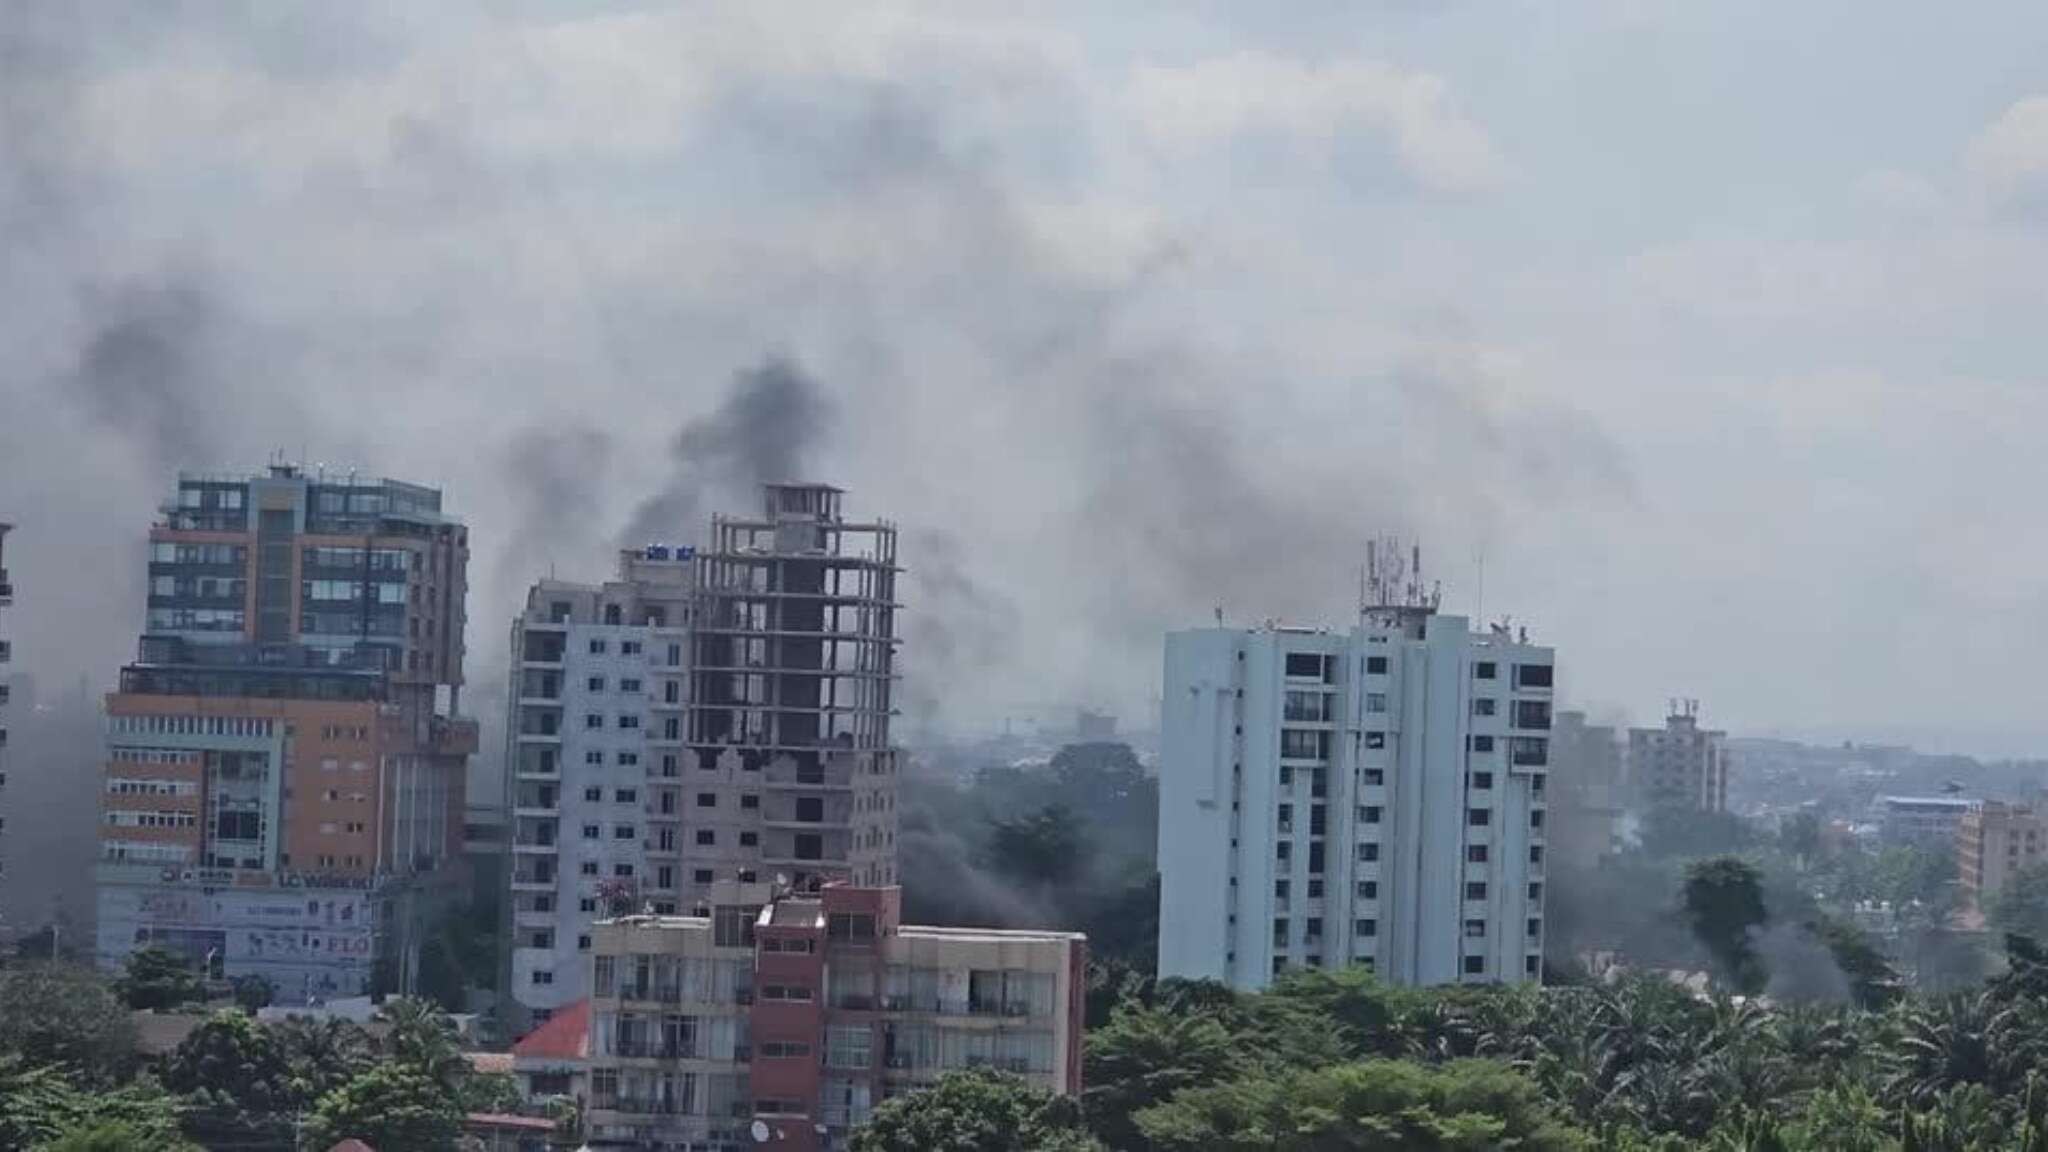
1922, 821
779, 1022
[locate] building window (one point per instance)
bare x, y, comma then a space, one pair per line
1482, 780
587, 904
1475, 929
1373, 777
1532, 714
593, 720
1306, 665
595, 758
1280, 932
1369, 814
1375, 739
749, 800
1532, 675
1530, 964
1375, 702
623, 871
1306, 707
1376, 665
1483, 705
628, 684
707, 799
1475, 890
1365, 927
749, 839
629, 721
1368, 889
595, 684
541, 977
701, 876
1535, 928
1305, 744
588, 868
1368, 853
1475, 854
1484, 670
1478, 817
1280, 890
623, 832
706, 838
592, 832
1535, 853
1482, 743
1535, 892
1475, 965
626, 796
1283, 852
583, 943
1536, 819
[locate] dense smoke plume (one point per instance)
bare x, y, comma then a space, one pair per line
766, 431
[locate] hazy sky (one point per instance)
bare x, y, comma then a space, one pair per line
1718, 329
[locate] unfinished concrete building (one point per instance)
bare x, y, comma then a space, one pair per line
793, 677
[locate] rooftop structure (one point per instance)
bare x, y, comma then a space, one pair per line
1680, 765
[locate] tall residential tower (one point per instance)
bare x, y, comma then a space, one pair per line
1680, 765
716, 715
1370, 797
285, 757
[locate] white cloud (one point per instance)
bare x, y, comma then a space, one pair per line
1312, 107
2008, 160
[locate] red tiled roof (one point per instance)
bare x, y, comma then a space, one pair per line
565, 1036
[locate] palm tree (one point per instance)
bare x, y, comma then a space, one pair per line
422, 1035
321, 1054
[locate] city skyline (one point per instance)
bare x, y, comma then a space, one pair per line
1676, 367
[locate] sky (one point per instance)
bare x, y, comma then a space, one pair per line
1704, 340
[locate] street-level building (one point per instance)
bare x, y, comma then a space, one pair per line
1374, 796
780, 1021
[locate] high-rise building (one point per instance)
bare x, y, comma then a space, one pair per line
285, 758
793, 685
1586, 802
1680, 765
1994, 841
6, 692
1371, 797
597, 760
710, 716
780, 1021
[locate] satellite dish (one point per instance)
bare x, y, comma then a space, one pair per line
759, 1131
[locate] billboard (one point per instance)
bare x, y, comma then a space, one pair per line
308, 942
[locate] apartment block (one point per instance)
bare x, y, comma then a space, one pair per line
1930, 822
1372, 797
1994, 841
1680, 765
710, 716
6, 692
1586, 802
780, 1020
283, 789
597, 756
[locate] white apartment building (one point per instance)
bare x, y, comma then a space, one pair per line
595, 755
1370, 797
1680, 765
712, 716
